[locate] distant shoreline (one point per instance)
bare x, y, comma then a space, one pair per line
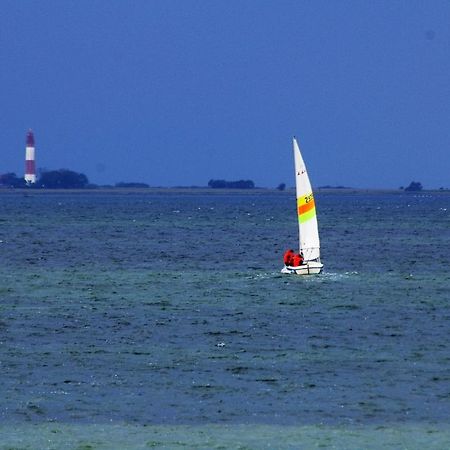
206, 190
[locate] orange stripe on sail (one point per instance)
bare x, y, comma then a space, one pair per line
302, 209
307, 216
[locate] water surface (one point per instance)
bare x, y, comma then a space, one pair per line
147, 319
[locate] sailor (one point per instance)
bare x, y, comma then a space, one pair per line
287, 258
297, 259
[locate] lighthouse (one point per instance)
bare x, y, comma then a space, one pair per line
30, 164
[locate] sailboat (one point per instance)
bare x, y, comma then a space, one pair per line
309, 243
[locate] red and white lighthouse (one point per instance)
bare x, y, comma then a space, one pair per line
30, 164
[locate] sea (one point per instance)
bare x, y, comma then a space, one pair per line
160, 319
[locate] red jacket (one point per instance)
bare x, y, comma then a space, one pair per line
296, 260
287, 258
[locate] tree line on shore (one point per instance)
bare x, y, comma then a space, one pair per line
58, 179
223, 184
68, 179
50, 179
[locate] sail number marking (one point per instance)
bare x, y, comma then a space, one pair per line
308, 198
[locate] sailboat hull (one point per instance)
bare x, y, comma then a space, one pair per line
309, 268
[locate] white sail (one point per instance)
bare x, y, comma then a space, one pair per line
306, 209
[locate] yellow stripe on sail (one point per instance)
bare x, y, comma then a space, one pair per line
306, 208
305, 199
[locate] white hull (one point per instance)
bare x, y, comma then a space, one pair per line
308, 268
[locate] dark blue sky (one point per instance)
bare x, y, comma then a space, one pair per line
175, 92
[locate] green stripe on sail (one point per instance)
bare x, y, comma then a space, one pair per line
307, 216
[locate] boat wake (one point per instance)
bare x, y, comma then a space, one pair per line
336, 276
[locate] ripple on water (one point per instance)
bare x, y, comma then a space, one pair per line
161, 321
